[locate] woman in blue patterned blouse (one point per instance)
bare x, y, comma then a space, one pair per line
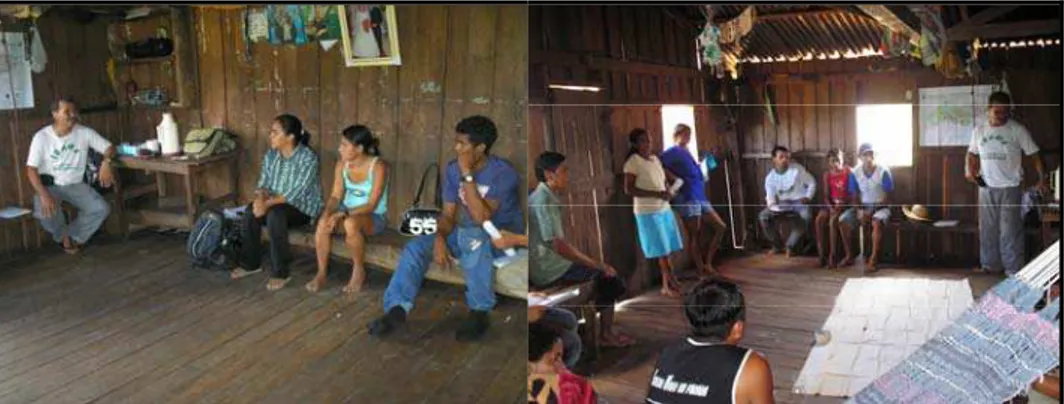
288, 194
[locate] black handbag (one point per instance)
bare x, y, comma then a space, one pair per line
150, 48
418, 220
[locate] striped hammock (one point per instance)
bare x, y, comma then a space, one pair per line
993, 352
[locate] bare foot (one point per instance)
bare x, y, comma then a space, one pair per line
315, 284
872, 266
773, 251
358, 278
353, 287
709, 270
277, 284
848, 261
669, 292
789, 253
832, 264
69, 246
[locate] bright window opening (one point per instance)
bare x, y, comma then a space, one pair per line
672, 115
889, 128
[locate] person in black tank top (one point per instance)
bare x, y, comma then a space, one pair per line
708, 366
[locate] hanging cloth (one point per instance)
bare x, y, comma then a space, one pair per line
932, 33
38, 58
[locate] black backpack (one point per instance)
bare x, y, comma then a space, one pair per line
214, 242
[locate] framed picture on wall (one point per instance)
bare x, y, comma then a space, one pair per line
370, 36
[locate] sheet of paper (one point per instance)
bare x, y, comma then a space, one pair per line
16, 78
12, 212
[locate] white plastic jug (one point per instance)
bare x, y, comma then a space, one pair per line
167, 134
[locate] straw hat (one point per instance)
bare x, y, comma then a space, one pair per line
917, 212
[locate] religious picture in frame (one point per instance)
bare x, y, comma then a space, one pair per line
369, 35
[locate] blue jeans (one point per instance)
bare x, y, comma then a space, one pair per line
471, 245
92, 212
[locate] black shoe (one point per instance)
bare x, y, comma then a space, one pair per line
388, 322
473, 327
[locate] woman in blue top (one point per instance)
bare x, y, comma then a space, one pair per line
288, 195
359, 200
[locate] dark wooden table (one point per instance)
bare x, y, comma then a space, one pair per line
189, 168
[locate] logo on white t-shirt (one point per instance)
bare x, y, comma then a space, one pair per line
65, 157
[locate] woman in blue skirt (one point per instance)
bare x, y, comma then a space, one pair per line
645, 180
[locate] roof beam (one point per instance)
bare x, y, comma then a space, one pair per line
890, 20
987, 15
1004, 30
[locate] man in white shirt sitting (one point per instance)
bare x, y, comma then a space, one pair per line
871, 185
788, 190
995, 155
56, 170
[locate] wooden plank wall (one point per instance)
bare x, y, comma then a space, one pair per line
637, 54
642, 58
457, 61
815, 104
77, 56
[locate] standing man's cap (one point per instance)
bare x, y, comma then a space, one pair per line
865, 148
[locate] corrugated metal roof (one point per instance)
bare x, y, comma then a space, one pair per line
796, 31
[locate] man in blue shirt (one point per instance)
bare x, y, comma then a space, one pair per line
477, 187
871, 185
691, 202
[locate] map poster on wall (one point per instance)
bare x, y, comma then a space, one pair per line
16, 80
949, 114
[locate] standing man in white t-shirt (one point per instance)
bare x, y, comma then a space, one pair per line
994, 162
56, 170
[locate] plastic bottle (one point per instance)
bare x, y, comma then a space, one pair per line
167, 134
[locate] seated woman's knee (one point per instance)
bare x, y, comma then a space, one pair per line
323, 228
354, 224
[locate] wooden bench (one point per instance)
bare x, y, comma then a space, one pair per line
383, 251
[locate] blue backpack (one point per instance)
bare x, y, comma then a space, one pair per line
214, 242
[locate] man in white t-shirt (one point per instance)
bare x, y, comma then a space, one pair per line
995, 162
56, 170
788, 189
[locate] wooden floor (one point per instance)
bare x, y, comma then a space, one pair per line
786, 299
131, 322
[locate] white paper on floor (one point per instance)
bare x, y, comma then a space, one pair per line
875, 324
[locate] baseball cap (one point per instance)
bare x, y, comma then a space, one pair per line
865, 148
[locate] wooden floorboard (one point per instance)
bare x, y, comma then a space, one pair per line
787, 300
131, 322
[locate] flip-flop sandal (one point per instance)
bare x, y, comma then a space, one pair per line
270, 285
241, 273
312, 287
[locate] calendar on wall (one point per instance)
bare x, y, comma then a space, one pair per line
16, 79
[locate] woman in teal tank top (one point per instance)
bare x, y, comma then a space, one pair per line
359, 202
